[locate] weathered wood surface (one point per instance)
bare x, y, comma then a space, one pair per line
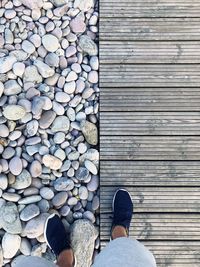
173, 253
155, 199
137, 29
160, 226
119, 99
148, 75
131, 52
154, 123
150, 173
150, 8
150, 147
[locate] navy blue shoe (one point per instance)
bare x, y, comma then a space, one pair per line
122, 210
55, 235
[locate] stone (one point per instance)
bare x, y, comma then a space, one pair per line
46, 193
29, 212
77, 25
60, 124
6, 63
35, 227
88, 234
25, 247
12, 197
18, 68
28, 47
11, 87
63, 184
10, 245
23, 180
93, 76
58, 3
52, 162
90, 132
82, 174
93, 184
72, 76
44, 69
95, 203
9, 218
32, 4
52, 60
14, 112
4, 131
72, 201
70, 87
15, 165
62, 97
35, 169
31, 74
89, 215
88, 45
3, 181
29, 200
47, 119
91, 167
83, 192
60, 199
1, 88
70, 51
32, 128
50, 42
10, 14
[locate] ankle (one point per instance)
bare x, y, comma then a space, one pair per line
66, 258
118, 231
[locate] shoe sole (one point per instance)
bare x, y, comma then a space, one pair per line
45, 236
115, 197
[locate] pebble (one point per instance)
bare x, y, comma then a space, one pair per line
83, 192
60, 124
11, 87
35, 168
60, 199
6, 63
93, 184
77, 25
89, 215
3, 181
50, 42
82, 174
28, 47
47, 119
4, 131
35, 227
32, 128
18, 68
72, 201
63, 184
15, 165
29, 200
84, 5
25, 247
70, 87
91, 167
10, 245
23, 180
62, 97
52, 162
44, 69
88, 45
29, 212
46, 193
95, 203
90, 132
14, 112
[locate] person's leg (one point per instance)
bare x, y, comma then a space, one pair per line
59, 241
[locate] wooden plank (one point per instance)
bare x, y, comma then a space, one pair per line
159, 226
155, 199
123, 52
150, 173
150, 99
151, 8
172, 254
150, 123
118, 29
148, 75
150, 147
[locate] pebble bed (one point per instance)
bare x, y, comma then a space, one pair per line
49, 100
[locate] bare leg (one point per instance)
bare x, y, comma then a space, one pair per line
66, 258
118, 231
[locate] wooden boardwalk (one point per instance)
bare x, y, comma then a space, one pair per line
150, 122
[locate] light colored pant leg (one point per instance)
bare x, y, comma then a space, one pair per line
125, 252
31, 261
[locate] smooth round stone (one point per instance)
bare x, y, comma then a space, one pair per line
47, 103
58, 108
36, 40
25, 247
15, 165
31, 74
22, 181
84, 5
52, 162
83, 192
70, 87
80, 116
14, 112
62, 97
4, 131
90, 132
64, 211
52, 60
60, 199
43, 150
72, 76
28, 47
44, 69
76, 67
1, 88
70, 51
10, 14
73, 155
60, 124
47, 119
63, 184
8, 152
3, 181
10, 245
82, 148
59, 153
15, 135
82, 174
11, 87
93, 184
43, 205
95, 203
71, 114
32, 128
35, 227
11, 197
59, 138
46, 193
94, 63
29, 200
89, 215
72, 201
19, 68
29, 212
31, 191
66, 165
87, 93
50, 42
35, 169
91, 167
93, 76
88, 45
6, 63
77, 25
